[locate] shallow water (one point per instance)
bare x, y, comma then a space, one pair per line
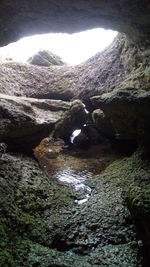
98, 224
75, 179
73, 168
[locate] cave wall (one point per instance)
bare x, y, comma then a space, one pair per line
21, 18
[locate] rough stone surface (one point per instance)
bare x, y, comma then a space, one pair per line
27, 18
138, 199
45, 58
3, 148
72, 119
34, 81
25, 121
102, 123
128, 110
122, 64
41, 224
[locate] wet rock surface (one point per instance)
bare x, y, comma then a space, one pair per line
43, 224
74, 211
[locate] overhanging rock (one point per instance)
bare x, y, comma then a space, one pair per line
129, 112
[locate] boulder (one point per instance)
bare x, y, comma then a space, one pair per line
81, 141
92, 134
128, 110
72, 119
45, 58
24, 122
102, 123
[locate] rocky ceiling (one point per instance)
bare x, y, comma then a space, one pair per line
26, 17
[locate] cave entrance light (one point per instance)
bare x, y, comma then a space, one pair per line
72, 48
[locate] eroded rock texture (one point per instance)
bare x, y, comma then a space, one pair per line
128, 111
25, 121
42, 225
121, 65
40, 222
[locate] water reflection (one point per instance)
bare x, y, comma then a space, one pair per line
75, 179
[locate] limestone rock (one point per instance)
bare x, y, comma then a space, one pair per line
128, 110
24, 122
40, 221
122, 64
81, 141
73, 119
54, 82
45, 58
102, 123
93, 135
27, 18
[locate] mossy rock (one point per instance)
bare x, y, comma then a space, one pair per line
134, 175
40, 223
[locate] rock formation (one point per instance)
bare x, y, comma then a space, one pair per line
128, 111
28, 18
25, 121
121, 65
45, 58
42, 223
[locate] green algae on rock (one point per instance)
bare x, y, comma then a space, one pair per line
41, 223
134, 174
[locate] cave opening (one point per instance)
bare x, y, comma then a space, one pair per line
72, 48
41, 217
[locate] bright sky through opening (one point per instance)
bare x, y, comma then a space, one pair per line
72, 48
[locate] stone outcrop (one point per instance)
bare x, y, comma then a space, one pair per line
28, 18
138, 199
33, 81
39, 218
72, 119
25, 121
45, 58
41, 223
122, 64
128, 111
